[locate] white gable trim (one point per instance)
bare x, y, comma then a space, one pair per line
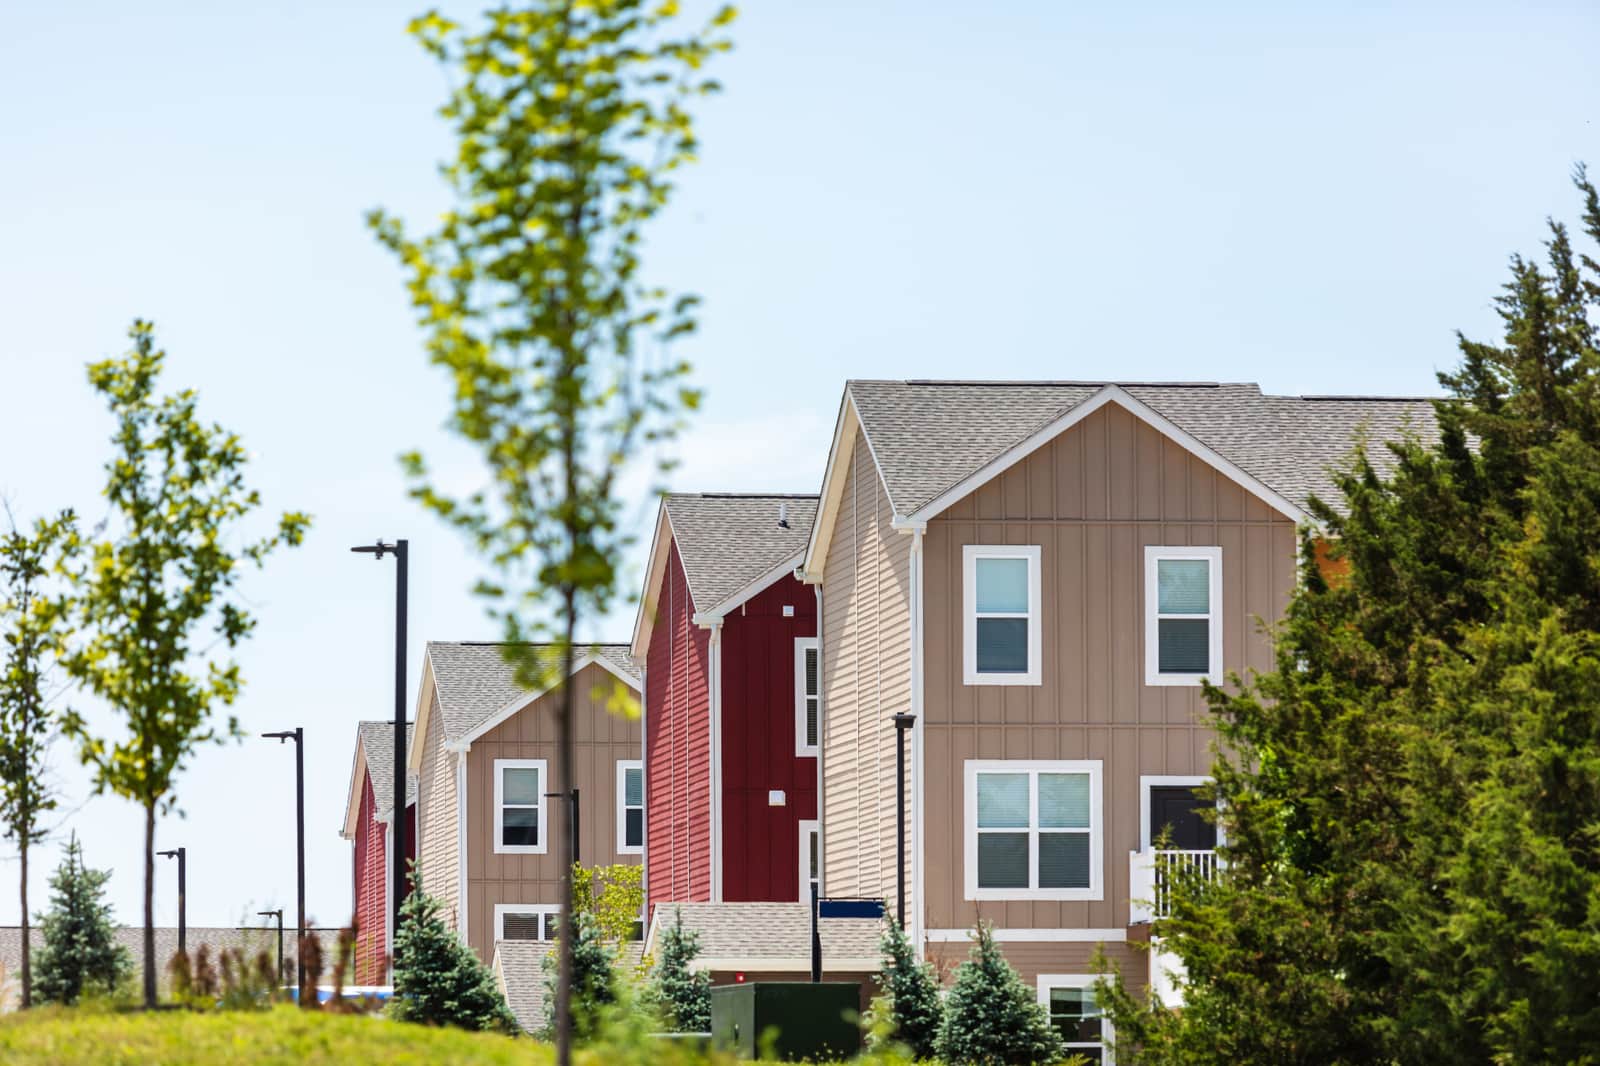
352, 803
1118, 395
524, 700
660, 549
426, 698
840, 453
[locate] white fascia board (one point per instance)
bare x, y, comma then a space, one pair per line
1120, 396
655, 573
752, 590
790, 964
840, 454
352, 803
525, 700
1032, 936
461, 845
420, 733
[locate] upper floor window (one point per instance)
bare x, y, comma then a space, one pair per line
1183, 615
1000, 597
810, 860
807, 695
630, 807
519, 787
1034, 830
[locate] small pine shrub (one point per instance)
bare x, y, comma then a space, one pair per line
80, 954
595, 992
437, 978
681, 995
908, 1013
991, 1018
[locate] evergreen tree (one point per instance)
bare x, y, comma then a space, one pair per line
991, 1018
682, 994
1412, 800
910, 1000
595, 991
437, 978
80, 954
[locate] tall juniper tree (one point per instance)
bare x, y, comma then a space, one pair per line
1412, 802
571, 120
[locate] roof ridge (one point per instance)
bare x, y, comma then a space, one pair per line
1062, 383
742, 496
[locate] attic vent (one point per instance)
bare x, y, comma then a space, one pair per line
783, 516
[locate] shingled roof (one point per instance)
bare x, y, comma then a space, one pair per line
377, 746
729, 541
519, 971
929, 436
473, 681
769, 937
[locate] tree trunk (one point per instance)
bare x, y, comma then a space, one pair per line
568, 846
149, 906
27, 967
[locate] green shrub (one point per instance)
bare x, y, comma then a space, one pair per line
437, 978
594, 980
991, 1018
682, 996
908, 1013
80, 955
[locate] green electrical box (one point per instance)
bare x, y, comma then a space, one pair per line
806, 1021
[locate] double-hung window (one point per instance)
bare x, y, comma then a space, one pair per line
519, 819
630, 807
1183, 615
526, 921
1034, 830
807, 695
810, 859
1074, 1014
1001, 624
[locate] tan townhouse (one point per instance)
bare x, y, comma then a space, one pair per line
485, 765
1042, 574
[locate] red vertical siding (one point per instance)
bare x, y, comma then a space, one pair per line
760, 842
370, 921
678, 746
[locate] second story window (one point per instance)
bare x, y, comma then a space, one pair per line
810, 860
630, 807
1183, 615
519, 822
1033, 830
1000, 598
807, 695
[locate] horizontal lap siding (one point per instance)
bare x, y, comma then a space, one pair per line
370, 917
441, 852
1030, 959
678, 763
1092, 499
601, 738
866, 603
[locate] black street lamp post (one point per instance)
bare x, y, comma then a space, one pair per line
399, 549
182, 855
278, 914
902, 725
298, 736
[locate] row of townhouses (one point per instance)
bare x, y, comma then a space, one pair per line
1023, 582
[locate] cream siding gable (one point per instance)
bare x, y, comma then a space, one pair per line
439, 854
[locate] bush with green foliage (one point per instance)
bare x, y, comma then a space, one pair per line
908, 1013
595, 987
992, 1018
1412, 800
437, 978
81, 955
613, 894
680, 993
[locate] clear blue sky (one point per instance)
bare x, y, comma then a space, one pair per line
1313, 197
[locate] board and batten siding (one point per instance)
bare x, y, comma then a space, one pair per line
1092, 499
437, 804
866, 664
601, 737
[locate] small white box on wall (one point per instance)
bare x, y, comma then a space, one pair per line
777, 798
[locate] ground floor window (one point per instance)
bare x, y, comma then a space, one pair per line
1076, 1017
810, 860
526, 921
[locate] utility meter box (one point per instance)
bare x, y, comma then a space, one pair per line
806, 1021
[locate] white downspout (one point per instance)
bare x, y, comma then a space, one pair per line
461, 845
917, 919
716, 761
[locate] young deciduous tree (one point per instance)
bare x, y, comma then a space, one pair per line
80, 952
157, 593
1412, 798
30, 616
438, 980
571, 121
614, 894
910, 1000
991, 1017
681, 993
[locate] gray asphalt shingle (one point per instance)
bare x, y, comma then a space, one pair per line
519, 971
473, 681
778, 931
727, 541
377, 747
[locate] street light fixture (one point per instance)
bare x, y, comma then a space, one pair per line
278, 914
902, 725
182, 855
400, 550
298, 736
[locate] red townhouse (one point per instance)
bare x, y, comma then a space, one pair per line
369, 826
727, 637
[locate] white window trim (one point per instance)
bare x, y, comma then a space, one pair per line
807, 827
541, 909
970, 554
1092, 767
1153, 554
623, 847
501, 848
1047, 981
801, 646
1149, 781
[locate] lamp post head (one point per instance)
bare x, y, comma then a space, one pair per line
284, 734
173, 854
377, 549
272, 914
903, 721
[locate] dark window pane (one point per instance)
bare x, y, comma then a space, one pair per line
522, 926
550, 921
1185, 646
1002, 645
1063, 860
633, 828
812, 688
1002, 860
519, 826
811, 723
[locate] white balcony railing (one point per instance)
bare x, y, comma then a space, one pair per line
1150, 877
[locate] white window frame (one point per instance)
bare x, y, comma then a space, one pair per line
1047, 981
1149, 781
1092, 767
1153, 554
541, 909
500, 847
970, 554
808, 827
623, 847
801, 646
